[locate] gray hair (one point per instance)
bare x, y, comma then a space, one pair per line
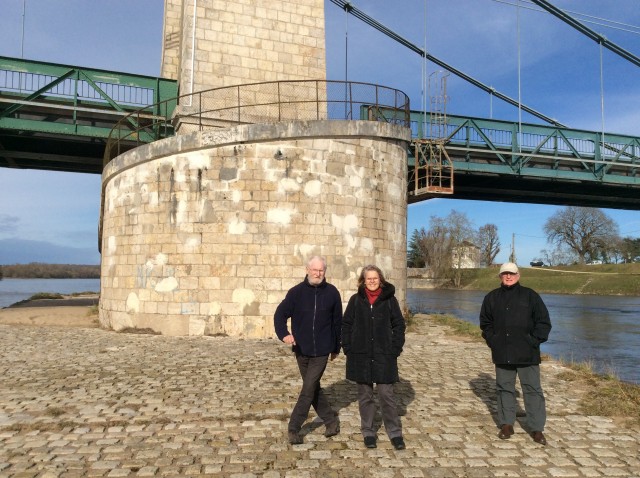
318, 258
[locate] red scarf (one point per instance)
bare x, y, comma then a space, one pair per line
373, 295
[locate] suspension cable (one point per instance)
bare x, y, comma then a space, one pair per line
602, 93
403, 41
519, 81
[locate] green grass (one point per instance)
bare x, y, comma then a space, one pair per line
605, 279
457, 326
46, 295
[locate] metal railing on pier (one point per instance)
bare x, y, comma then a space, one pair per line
267, 102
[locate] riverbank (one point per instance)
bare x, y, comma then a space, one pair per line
604, 279
598, 329
69, 311
79, 401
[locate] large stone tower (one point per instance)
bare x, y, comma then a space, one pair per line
213, 43
204, 232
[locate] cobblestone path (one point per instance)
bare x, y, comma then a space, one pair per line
78, 402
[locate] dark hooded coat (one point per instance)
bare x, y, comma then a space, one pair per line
373, 337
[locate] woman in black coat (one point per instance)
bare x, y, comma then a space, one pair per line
372, 339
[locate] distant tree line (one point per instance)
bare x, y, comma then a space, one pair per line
577, 235
38, 270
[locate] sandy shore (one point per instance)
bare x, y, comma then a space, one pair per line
67, 312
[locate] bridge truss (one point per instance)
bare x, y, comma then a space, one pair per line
508, 161
58, 117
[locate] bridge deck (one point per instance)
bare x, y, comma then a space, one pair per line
507, 161
58, 117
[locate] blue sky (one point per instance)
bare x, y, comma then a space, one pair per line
559, 71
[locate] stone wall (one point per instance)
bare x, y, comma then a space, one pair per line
171, 39
204, 233
242, 41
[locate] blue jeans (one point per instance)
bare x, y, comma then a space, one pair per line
311, 370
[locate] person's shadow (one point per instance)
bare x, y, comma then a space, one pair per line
484, 386
343, 393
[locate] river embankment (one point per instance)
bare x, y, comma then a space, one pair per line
602, 279
603, 330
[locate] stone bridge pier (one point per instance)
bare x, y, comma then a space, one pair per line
204, 232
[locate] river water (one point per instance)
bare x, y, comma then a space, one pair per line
15, 290
601, 330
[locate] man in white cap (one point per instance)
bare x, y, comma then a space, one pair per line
514, 322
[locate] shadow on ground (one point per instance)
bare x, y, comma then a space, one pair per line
343, 393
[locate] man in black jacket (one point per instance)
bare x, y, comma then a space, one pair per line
514, 322
315, 309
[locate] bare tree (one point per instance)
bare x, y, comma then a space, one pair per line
437, 247
488, 243
585, 231
615, 251
558, 257
461, 235
448, 241
448, 246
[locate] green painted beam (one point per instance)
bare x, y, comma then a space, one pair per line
32, 84
500, 140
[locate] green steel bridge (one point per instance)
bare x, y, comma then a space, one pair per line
59, 117
496, 160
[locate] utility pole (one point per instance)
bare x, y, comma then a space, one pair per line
512, 257
24, 13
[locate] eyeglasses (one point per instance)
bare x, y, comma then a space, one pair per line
509, 274
316, 271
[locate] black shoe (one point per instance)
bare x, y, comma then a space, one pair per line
295, 438
333, 428
398, 443
370, 442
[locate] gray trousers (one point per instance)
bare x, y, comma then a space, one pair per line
367, 404
311, 370
534, 403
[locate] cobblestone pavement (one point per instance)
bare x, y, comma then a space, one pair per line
90, 402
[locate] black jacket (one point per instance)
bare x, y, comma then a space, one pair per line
316, 317
373, 336
514, 322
